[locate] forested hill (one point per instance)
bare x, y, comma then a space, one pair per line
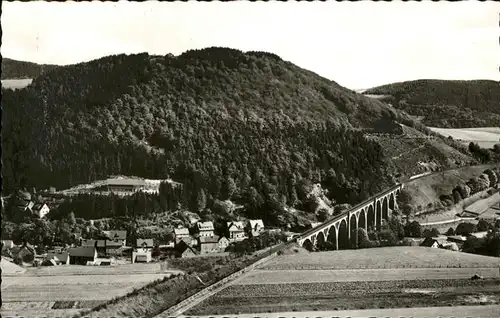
447, 104
12, 69
225, 124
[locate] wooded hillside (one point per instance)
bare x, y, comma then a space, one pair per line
447, 104
248, 127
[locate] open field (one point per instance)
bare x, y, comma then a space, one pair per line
484, 311
481, 206
65, 290
345, 295
317, 276
127, 269
429, 188
383, 257
485, 137
16, 83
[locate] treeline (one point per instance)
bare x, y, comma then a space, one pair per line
447, 104
12, 69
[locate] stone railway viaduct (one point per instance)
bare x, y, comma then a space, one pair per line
341, 230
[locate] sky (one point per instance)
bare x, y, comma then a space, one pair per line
358, 45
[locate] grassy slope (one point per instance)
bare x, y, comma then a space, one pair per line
428, 189
485, 137
384, 257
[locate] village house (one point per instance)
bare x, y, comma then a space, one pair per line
206, 229
255, 227
223, 243
142, 253
40, 209
459, 239
59, 257
24, 253
430, 242
117, 236
236, 231
209, 244
104, 247
82, 255
181, 234
184, 250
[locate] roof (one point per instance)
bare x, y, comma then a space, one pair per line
100, 243
181, 231
254, 223
457, 237
116, 234
480, 234
223, 237
209, 239
126, 182
206, 226
38, 206
429, 242
61, 256
182, 247
236, 226
82, 251
145, 242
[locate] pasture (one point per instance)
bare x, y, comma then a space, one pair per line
65, 290
380, 258
16, 83
485, 137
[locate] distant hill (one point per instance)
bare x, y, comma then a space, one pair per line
249, 127
12, 69
446, 104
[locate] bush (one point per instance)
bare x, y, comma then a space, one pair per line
483, 225
450, 232
413, 229
465, 229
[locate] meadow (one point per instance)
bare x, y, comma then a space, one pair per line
380, 258
16, 83
485, 137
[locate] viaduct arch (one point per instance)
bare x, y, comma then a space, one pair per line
340, 232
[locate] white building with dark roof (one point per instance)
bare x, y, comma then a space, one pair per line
236, 231
256, 227
206, 229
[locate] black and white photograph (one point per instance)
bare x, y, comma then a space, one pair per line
250, 159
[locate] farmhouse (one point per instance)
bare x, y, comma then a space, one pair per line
184, 250
83, 254
206, 229
430, 242
59, 257
40, 209
181, 234
236, 231
223, 243
209, 244
123, 185
104, 247
256, 227
117, 236
145, 243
